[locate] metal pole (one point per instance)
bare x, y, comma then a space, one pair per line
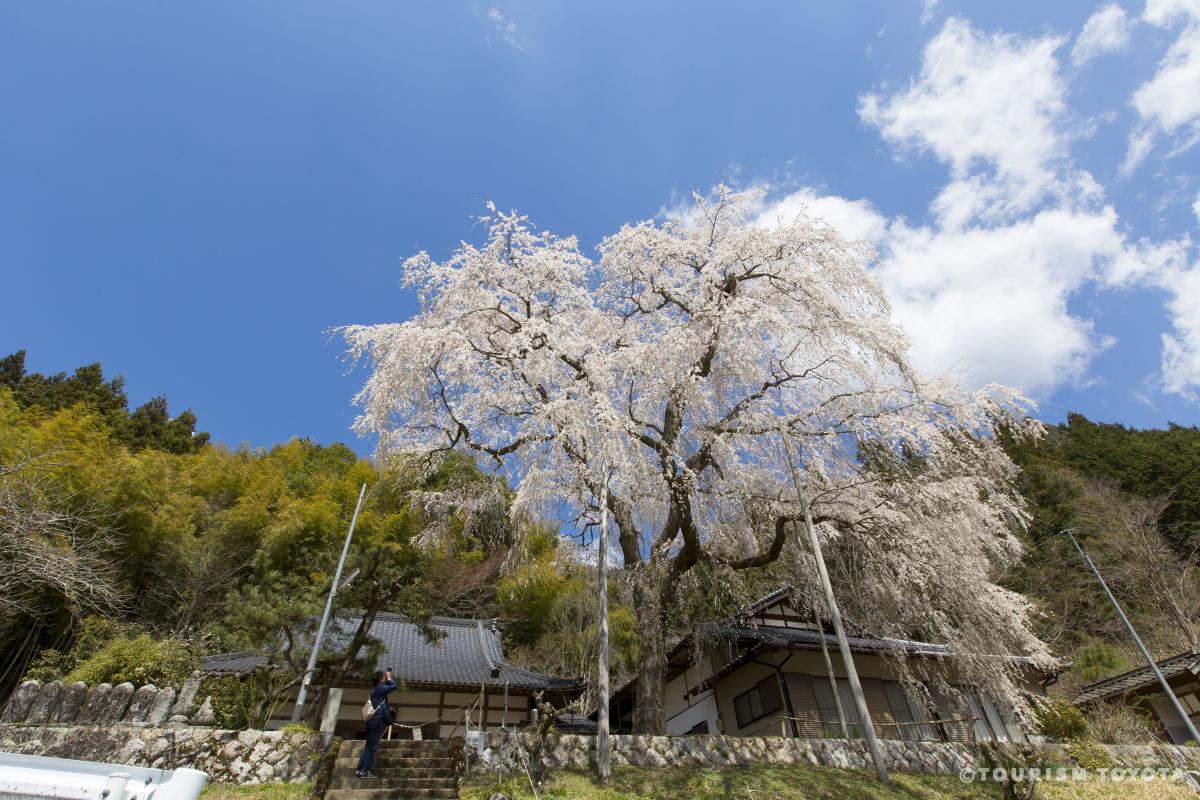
835, 616
333, 588
603, 744
1179, 709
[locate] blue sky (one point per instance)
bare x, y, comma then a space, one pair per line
193, 193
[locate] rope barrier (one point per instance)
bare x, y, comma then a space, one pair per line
451, 716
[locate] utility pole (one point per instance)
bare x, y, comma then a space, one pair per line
1179, 709
333, 590
603, 743
835, 616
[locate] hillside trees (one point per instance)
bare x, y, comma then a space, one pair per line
148, 426
675, 362
205, 550
1129, 495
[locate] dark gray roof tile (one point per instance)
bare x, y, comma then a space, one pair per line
467, 652
1138, 678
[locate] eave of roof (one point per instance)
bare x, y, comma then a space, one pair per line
1135, 679
762, 638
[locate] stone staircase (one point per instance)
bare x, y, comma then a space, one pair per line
407, 770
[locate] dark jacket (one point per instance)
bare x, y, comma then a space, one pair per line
379, 693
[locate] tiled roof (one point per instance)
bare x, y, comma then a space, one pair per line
467, 652
758, 638
575, 723
799, 637
232, 663
1138, 678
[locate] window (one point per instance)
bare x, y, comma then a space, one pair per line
758, 702
901, 711
828, 707
699, 729
978, 713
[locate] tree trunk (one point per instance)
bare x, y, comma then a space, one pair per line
648, 716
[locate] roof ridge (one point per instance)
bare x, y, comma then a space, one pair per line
1130, 673
465, 622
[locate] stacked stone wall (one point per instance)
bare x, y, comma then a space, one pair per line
151, 727
499, 752
245, 757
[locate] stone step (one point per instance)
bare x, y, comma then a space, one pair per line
402, 772
400, 762
391, 794
406, 745
349, 781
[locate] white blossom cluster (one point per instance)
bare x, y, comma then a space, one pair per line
675, 361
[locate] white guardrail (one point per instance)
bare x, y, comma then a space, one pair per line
39, 777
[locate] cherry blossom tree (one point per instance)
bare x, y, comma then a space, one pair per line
676, 361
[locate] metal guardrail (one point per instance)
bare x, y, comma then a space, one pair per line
38, 777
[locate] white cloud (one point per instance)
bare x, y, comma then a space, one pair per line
928, 9
1196, 208
505, 28
856, 220
1181, 348
1141, 141
1106, 31
1018, 232
1169, 103
990, 107
993, 301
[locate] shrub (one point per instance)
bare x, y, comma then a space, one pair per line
1058, 719
1120, 723
50, 665
93, 635
1096, 660
233, 701
139, 661
1089, 754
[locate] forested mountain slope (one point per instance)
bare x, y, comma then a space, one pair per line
131, 546
1133, 497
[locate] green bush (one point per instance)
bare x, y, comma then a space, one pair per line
139, 661
233, 701
1089, 754
1096, 660
1059, 719
93, 635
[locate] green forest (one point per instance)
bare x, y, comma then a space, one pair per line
131, 545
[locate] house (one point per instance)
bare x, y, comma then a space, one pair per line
1140, 688
464, 669
762, 672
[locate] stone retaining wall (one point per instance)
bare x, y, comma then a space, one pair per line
33, 703
497, 752
245, 757
150, 727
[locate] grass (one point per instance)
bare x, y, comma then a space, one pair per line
263, 791
803, 783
